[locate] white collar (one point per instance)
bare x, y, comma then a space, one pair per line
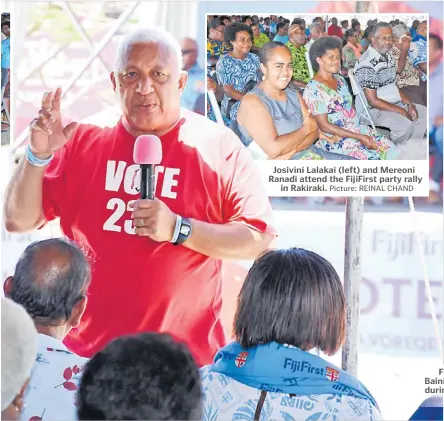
46, 341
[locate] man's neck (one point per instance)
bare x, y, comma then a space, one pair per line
56, 332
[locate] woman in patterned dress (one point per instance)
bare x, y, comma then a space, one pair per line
330, 101
235, 69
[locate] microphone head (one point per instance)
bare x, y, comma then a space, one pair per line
147, 150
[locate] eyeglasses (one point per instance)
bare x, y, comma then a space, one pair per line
385, 39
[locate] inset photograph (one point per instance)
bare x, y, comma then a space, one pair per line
320, 88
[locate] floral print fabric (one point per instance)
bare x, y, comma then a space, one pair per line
338, 105
226, 399
54, 381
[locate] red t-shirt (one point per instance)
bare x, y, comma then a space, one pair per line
335, 30
139, 284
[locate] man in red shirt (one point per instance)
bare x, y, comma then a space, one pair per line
334, 29
206, 182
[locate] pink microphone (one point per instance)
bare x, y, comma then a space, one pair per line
147, 153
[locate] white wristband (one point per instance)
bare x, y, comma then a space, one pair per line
177, 229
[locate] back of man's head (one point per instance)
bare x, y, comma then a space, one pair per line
50, 278
143, 377
19, 350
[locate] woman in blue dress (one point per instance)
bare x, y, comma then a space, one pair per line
237, 71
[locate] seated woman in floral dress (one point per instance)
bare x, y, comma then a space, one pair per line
330, 101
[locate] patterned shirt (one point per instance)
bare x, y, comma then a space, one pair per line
410, 75
373, 70
226, 399
236, 73
300, 66
217, 48
54, 381
260, 40
418, 51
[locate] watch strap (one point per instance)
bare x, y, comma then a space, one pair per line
177, 229
184, 231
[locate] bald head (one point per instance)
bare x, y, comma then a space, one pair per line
50, 278
189, 53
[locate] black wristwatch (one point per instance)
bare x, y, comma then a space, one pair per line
184, 231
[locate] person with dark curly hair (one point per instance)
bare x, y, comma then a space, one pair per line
292, 302
144, 377
237, 68
330, 101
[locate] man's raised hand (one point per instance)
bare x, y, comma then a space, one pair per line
47, 133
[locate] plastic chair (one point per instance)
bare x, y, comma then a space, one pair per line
215, 106
359, 93
310, 67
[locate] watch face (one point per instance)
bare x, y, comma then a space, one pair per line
185, 230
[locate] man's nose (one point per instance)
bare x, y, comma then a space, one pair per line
145, 86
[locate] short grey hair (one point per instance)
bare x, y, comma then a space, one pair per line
313, 26
400, 30
155, 35
19, 349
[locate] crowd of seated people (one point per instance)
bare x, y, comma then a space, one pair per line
291, 303
386, 121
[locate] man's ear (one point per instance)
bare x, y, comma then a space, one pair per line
183, 78
7, 286
77, 312
113, 80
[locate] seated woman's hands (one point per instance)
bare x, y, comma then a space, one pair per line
367, 141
